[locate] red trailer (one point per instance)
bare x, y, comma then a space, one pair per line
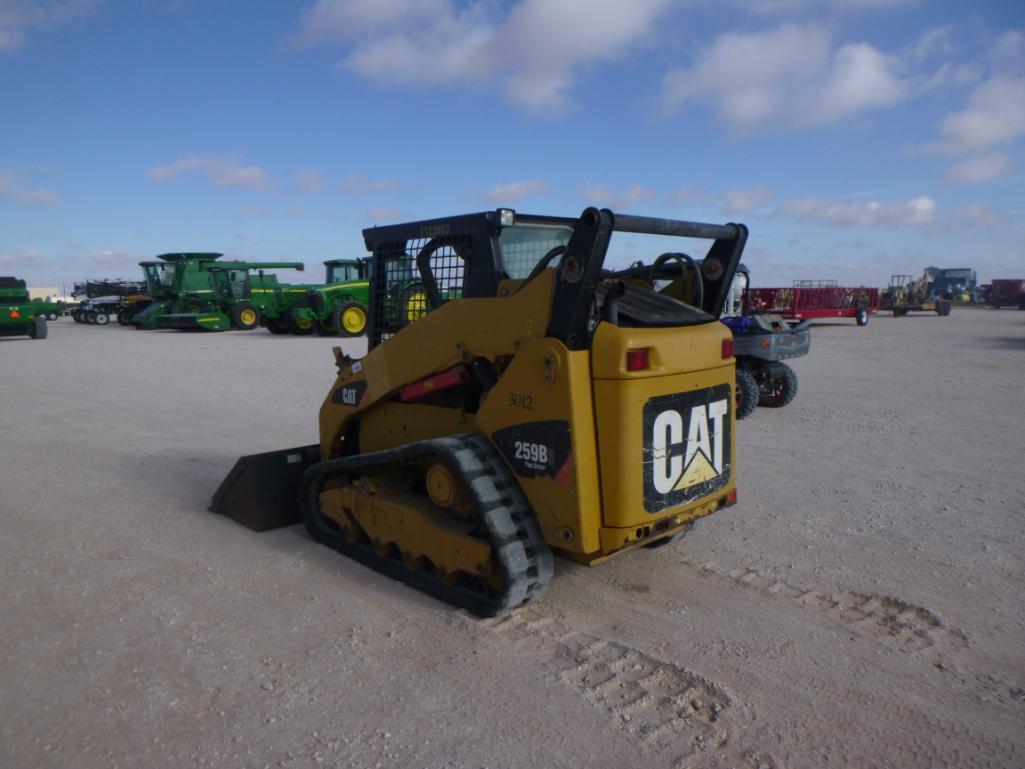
802, 302
1007, 292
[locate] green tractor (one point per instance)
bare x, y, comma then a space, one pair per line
21, 315
341, 307
238, 298
338, 308
407, 298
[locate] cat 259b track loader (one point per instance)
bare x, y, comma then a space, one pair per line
533, 407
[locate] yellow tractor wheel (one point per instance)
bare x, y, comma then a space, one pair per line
245, 316
350, 319
300, 325
412, 305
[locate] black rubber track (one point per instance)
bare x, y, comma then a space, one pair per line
501, 509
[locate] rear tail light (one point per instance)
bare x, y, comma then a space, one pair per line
637, 360
727, 348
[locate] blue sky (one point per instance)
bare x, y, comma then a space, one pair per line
855, 138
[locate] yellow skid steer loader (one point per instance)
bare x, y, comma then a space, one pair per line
513, 403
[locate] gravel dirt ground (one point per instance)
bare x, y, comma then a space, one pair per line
860, 607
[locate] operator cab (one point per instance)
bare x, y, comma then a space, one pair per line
160, 277
346, 270
231, 283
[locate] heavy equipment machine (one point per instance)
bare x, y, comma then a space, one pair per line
185, 285
905, 294
100, 301
178, 282
960, 284
21, 315
339, 307
534, 408
97, 310
239, 299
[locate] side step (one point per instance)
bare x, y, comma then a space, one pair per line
262, 490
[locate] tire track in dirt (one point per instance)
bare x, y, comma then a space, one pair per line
685, 720
901, 733
668, 710
882, 732
889, 620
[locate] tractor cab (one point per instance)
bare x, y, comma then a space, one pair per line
346, 270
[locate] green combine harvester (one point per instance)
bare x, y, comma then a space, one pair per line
240, 300
177, 283
195, 290
20, 315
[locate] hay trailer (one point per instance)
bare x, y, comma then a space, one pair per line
813, 300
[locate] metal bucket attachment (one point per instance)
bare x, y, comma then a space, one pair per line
261, 491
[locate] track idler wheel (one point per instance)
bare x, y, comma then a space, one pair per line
444, 516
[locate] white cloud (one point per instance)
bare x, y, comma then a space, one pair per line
28, 258
353, 19
871, 5
968, 217
994, 115
358, 184
935, 40
386, 215
1009, 49
174, 168
773, 7
260, 212
683, 196
10, 188
739, 201
19, 18
308, 181
791, 76
533, 49
796, 7
979, 168
982, 133
920, 210
861, 78
230, 174
603, 195
222, 171
516, 191
977, 213
951, 73
108, 258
